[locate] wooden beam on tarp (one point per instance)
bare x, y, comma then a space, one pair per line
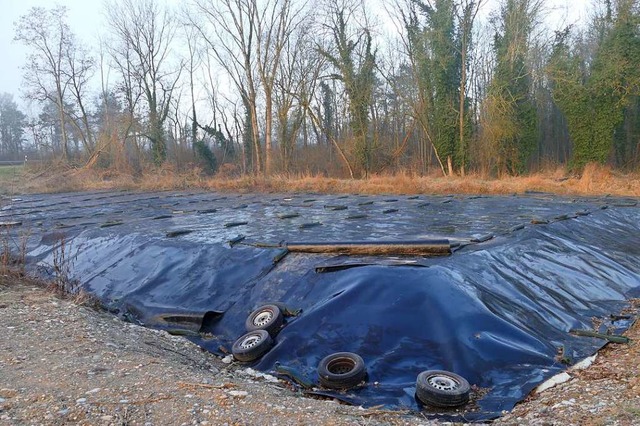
375, 248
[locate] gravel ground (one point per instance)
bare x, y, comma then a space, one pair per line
605, 393
62, 362
65, 363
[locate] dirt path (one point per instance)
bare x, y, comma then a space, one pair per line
64, 363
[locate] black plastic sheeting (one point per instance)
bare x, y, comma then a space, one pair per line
525, 270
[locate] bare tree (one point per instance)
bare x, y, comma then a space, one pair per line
220, 126
78, 72
467, 13
275, 22
229, 31
143, 33
247, 37
52, 66
295, 87
193, 62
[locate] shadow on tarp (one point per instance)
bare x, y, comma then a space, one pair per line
495, 313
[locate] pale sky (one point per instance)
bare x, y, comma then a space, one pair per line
86, 20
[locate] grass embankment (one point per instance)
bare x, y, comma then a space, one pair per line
595, 180
10, 178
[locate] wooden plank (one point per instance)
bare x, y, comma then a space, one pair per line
405, 248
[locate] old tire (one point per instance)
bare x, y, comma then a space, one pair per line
341, 370
442, 388
252, 345
267, 317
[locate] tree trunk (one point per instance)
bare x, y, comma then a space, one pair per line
63, 129
463, 77
267, 132
194, 119
256, 137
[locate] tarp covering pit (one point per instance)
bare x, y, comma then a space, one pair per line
496, 312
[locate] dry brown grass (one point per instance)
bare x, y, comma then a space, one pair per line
595, 180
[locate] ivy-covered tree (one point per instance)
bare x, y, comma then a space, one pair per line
328, 112
420, 99
599, 95
354, 61
445, 70
511, 102
616, 71
205, 157
439, 39
12, 124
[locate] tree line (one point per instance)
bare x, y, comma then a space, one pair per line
290, 86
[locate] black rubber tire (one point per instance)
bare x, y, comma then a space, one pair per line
267, 317
252, 345
442, 388
341, 370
